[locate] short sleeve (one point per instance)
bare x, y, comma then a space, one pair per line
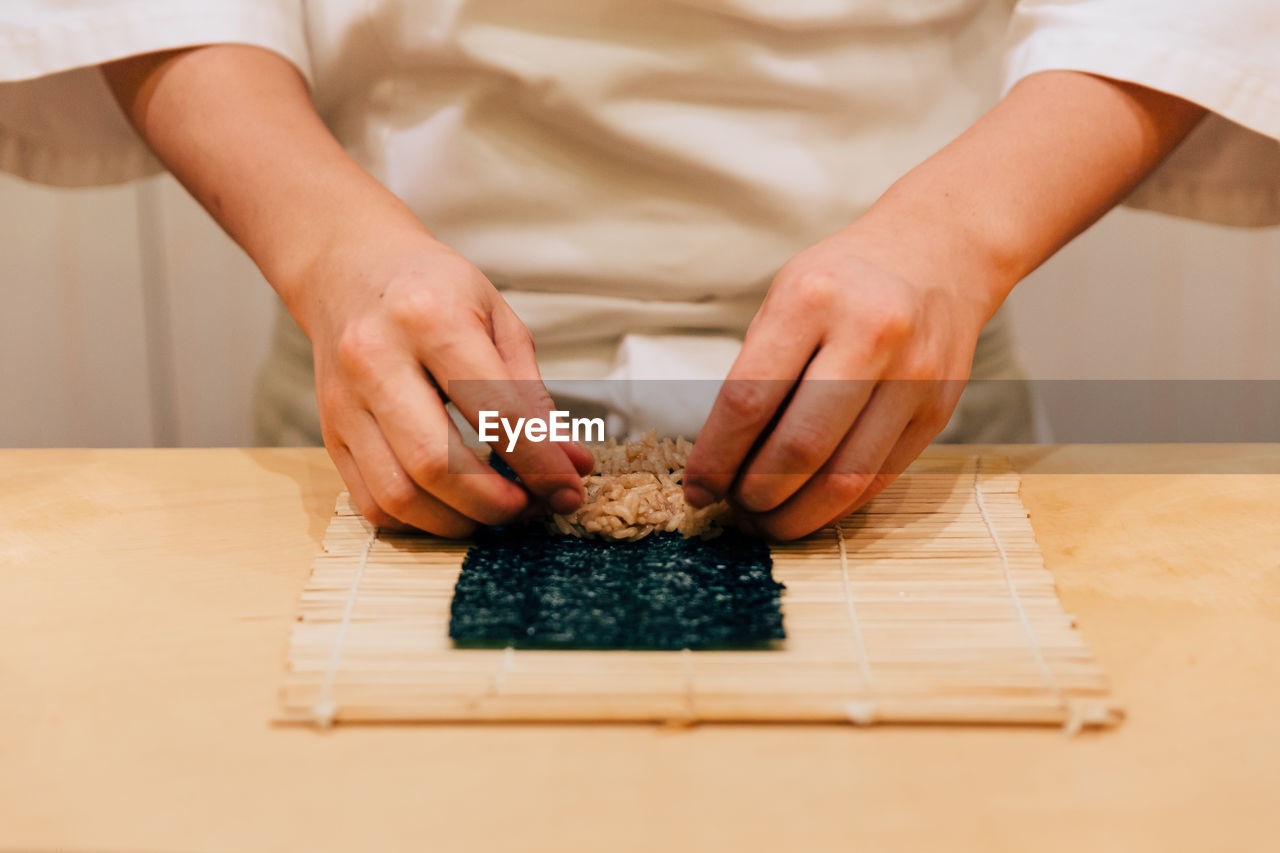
1222, 55
58, 121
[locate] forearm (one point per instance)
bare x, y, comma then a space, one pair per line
1059, 151
236, 126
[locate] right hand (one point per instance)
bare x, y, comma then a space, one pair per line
391, 319
389, 310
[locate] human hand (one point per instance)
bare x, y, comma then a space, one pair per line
890, 308
393, 318
392, 314
852, 365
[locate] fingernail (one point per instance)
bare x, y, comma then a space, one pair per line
566, 500
698, 496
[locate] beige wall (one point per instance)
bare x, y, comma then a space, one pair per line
1139, 296
83, 362
1146, 296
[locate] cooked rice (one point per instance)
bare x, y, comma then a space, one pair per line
634, 490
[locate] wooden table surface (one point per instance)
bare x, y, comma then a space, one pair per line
145, 606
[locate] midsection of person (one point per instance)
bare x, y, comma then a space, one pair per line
637, 169
653, 153
625, 167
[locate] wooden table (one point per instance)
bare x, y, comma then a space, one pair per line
145, 605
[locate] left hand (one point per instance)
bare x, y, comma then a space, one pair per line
888, 310
852, 365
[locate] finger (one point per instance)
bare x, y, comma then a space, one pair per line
391, 487
515, 346
914, 440
476, 379
773, 356
909, 446
851, 470
940, 399
360, 494
427, 445
818, 416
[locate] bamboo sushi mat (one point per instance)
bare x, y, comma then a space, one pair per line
930, 605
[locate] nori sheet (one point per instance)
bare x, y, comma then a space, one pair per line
521, 586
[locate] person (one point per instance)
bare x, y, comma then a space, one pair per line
817, 199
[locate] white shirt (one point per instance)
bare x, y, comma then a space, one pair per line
1221, 54
621, 166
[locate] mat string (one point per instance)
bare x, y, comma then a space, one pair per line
1074, 720
686, 665
861, 712
505, 666
325, 708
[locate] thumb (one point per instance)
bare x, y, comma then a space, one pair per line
515, 346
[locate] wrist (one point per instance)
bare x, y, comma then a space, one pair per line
932, 242
340, 254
